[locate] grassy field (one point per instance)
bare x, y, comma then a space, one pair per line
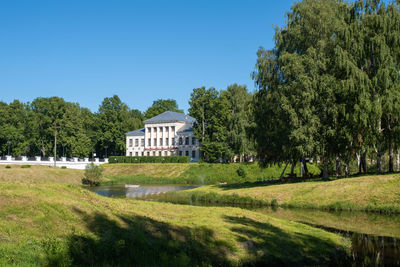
191, 173
45, 223
379, 193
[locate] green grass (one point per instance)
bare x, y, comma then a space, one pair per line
59, 224
192, 173
377, 193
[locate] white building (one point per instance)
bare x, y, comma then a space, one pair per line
168, 134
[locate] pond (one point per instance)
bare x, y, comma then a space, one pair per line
375, 237
120, 191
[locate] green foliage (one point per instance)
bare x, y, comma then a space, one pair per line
63, 167
25, 166
241, 172
161, 105
330, 87
92, 175
8, 167
150, 159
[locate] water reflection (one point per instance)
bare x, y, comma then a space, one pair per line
142, 191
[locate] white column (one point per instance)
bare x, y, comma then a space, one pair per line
38, 158
9, 158
24, 158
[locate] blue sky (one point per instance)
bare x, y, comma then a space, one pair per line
84, 51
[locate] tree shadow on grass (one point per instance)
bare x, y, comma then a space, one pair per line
142, 241
269, 245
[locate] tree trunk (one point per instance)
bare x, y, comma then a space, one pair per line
346, 170
292, 168
305, 168
391, 167
379, 161
325, 171
364, 162
338, 167
359, 162
397, 160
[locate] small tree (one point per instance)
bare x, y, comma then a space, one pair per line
93, 175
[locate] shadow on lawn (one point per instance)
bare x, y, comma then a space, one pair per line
271, 246
141, 242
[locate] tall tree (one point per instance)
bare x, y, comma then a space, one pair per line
114, 119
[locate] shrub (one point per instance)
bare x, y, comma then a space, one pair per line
63, 167
241, 172
274, 203
93, 175
8, 167
25, 166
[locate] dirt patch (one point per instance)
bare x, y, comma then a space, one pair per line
12, 216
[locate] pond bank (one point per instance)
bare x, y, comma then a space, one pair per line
368, 193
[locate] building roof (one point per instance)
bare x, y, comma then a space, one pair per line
188, 130
139, 132
170, 116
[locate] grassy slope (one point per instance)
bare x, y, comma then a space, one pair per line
192, 173
44, 223
374, 193
36, 174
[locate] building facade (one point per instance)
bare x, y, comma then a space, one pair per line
168, 134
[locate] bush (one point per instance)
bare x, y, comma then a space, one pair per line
150, 159
274, 203
93, 175
8, 167
63, 167
241, 172
25, 166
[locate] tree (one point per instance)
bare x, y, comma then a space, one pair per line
161, 105
238, 102
113, 120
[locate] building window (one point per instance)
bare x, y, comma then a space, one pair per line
161, 142
148, 154
167, 129
142, 154
187, 153
149, 129
172, 141
154, 153
193, 154
193, 141
149, 142
165, 153
155, 129
155, 142
159, 153
130, 142
136, 154
142, 142
166, 141
187, 141
136, 142
161, 129
180, 153
130, 154
173, 128
180, 141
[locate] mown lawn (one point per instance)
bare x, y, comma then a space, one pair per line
379, 193
192, 173
44, 223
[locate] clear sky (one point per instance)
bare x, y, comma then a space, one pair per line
85, 50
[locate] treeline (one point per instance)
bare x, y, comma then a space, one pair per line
223, 120
29, 128
330, 89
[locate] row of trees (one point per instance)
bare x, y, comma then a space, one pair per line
330, 89
30, 128
223, 119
